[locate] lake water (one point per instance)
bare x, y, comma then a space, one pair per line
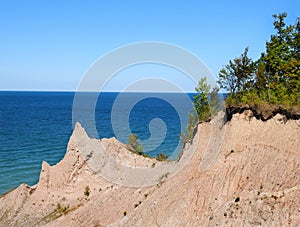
36, 127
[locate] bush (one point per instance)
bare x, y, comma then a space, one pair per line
162, 157
274, 77
87, 191
61, 209
135, 144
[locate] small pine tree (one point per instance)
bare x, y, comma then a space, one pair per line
201, 100
135, 144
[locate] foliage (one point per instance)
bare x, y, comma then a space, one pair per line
206, 101
87, 191
206, 105
61, 209
214, 103
135, 144
201, 100
190, 127
162, 157
137, 148
162, 178
274, 78
237, 77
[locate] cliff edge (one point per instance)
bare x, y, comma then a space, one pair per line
254, 179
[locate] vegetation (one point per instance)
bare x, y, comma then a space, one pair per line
162, 157
201, 100
274, 79
162, 178
58, 212
214, 103
87, 191
137, 148
61, 209
206, 100
190, 127
135, 144
206, 105
137, 204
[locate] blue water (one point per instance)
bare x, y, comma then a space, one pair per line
36, 127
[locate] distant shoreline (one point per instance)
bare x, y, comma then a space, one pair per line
67, 91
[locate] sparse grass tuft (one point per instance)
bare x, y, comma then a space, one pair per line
87, 191
61, 209
161, 157
162, 178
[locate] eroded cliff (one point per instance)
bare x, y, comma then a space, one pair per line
253, 179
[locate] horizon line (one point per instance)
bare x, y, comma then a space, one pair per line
111, 91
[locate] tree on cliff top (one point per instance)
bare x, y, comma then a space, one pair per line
274, 78
237, 76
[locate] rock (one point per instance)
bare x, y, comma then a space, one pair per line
280, 119
264, 153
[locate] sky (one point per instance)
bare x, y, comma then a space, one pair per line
50, 45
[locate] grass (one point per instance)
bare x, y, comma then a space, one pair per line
162, 178
161, 157
87, 191
59, 211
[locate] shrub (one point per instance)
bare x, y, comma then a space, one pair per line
61, 209
87, 191
135, 144
162, 157
190, 127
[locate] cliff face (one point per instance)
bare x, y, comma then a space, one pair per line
254, 179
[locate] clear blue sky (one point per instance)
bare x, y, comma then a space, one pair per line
49, 45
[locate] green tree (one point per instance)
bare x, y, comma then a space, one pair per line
274, 77
281, 62
135, 144
206, 105
201, 102
296, 43
238, 76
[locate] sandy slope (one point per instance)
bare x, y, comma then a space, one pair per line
254, 179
